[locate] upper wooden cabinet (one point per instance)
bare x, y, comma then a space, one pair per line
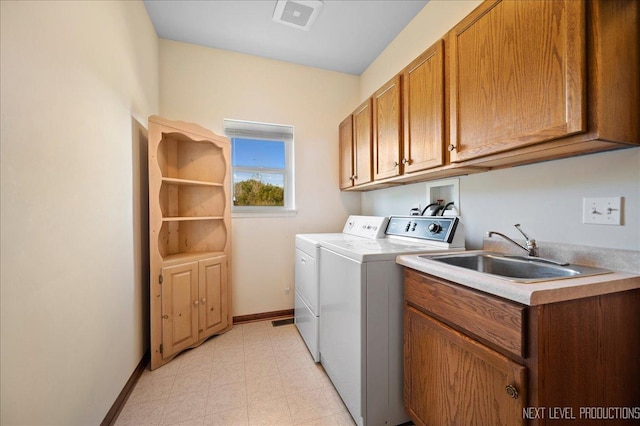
517, 76
527, 72
387, 129
362, 140
515, 82
346, 152
423, 110
355, 147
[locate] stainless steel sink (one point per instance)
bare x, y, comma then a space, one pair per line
516, 268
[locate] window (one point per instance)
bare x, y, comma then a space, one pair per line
262, 167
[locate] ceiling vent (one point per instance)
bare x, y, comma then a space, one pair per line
299, 14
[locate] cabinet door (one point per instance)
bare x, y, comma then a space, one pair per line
179, 307
346, 152
517, 76
213, 307
423, 108
362, 143
450, 379
387, 125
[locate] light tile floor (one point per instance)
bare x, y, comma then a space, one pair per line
255, 374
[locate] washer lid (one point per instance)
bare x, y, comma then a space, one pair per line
366, 250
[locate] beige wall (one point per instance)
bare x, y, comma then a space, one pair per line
546, 198
73, 208
428, 26
208, 85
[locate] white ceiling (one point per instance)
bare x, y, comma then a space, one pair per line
347, 36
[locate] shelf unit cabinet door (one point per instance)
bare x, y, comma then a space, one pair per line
179, 307
346, 152
362, 137
517, 76
213, 296
423, 107
450, 379
387, 130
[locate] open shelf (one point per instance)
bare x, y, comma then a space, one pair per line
188, 218
175, 181
181, 157
197, 201
192, 236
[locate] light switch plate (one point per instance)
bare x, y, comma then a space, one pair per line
602, 211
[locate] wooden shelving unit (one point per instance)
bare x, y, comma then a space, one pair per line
190, 236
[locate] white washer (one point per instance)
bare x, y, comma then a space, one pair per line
361, 299
307, 272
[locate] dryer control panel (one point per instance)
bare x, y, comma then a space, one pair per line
440, 228
366, 226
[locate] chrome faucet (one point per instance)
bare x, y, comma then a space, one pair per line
531, 248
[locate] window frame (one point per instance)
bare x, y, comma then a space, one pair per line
268, 132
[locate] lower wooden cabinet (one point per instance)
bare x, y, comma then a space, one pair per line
451, 379
193, 303
471, 358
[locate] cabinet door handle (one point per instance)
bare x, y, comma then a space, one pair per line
405, 161
165, 316
451, 147
195, 303
354, 177
396, 164
512, 391
203, 300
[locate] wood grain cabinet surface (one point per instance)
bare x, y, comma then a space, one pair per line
387, 129
355, 143
189, 236
454, 380
474, 358
423, 110
346, 153
515, 82
533, 80
517, 76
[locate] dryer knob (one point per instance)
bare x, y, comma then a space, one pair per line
434, 228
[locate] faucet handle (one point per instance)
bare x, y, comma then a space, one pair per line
517, 225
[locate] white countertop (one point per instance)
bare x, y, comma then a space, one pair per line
526, 293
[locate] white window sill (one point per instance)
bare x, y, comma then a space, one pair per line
263, 213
